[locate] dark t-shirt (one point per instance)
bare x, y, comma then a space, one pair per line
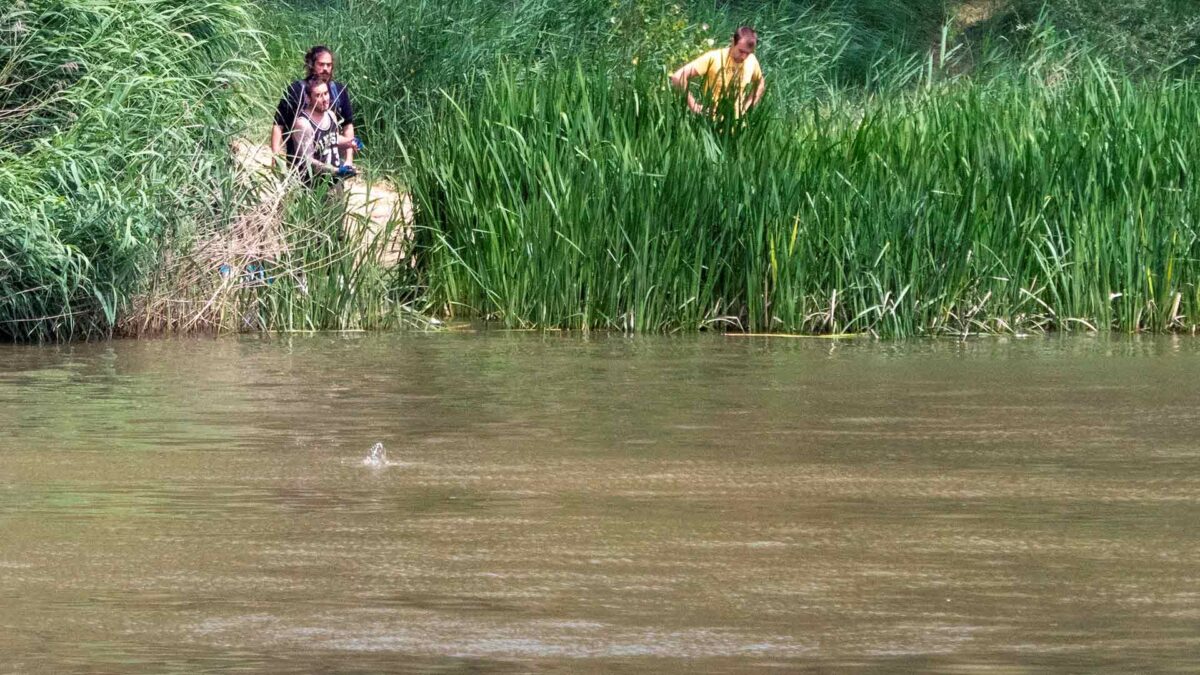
293, 102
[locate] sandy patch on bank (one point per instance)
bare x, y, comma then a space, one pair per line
195, 288
381, 218
377, 213
974, 12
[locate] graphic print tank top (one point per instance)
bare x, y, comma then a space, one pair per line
325, 136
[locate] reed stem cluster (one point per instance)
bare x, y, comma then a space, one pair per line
577, 200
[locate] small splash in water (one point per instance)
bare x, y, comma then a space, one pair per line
377, 456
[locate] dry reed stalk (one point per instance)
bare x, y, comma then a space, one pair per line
193, 289
198, 289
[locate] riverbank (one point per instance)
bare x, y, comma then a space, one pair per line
984, 169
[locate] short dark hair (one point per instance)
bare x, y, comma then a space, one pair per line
744, 33
310, 56
311, 83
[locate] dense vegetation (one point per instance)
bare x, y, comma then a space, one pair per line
577, 202
918, 167
113, 117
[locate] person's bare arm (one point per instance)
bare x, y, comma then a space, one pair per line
680, 79
348, 133
276, 139
753, 99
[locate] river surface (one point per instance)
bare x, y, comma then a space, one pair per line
568, 504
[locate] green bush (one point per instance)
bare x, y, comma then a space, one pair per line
114, 117
907, 173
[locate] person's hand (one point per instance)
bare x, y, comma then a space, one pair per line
351, 143
346, 171
695, 107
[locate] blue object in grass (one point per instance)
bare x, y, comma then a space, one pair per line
256, 272
346, 170
251, 273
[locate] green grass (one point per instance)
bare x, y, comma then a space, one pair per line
113, 116
398, 56
321, 281
1135, 36
581, 201
1028, 172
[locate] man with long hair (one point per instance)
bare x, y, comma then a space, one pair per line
318, 64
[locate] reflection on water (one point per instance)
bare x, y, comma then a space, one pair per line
649, 504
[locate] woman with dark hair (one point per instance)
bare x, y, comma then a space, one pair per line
318, 64
729, 73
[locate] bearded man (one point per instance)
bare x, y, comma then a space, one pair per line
318, 62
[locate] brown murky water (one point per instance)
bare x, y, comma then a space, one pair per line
561, 504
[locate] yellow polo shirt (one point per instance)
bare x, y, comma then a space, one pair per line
718, 70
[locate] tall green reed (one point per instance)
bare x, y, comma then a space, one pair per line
397, 56
114, 116
897, 182
579, 200
329, 276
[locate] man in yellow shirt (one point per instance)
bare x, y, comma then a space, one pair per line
732, 71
